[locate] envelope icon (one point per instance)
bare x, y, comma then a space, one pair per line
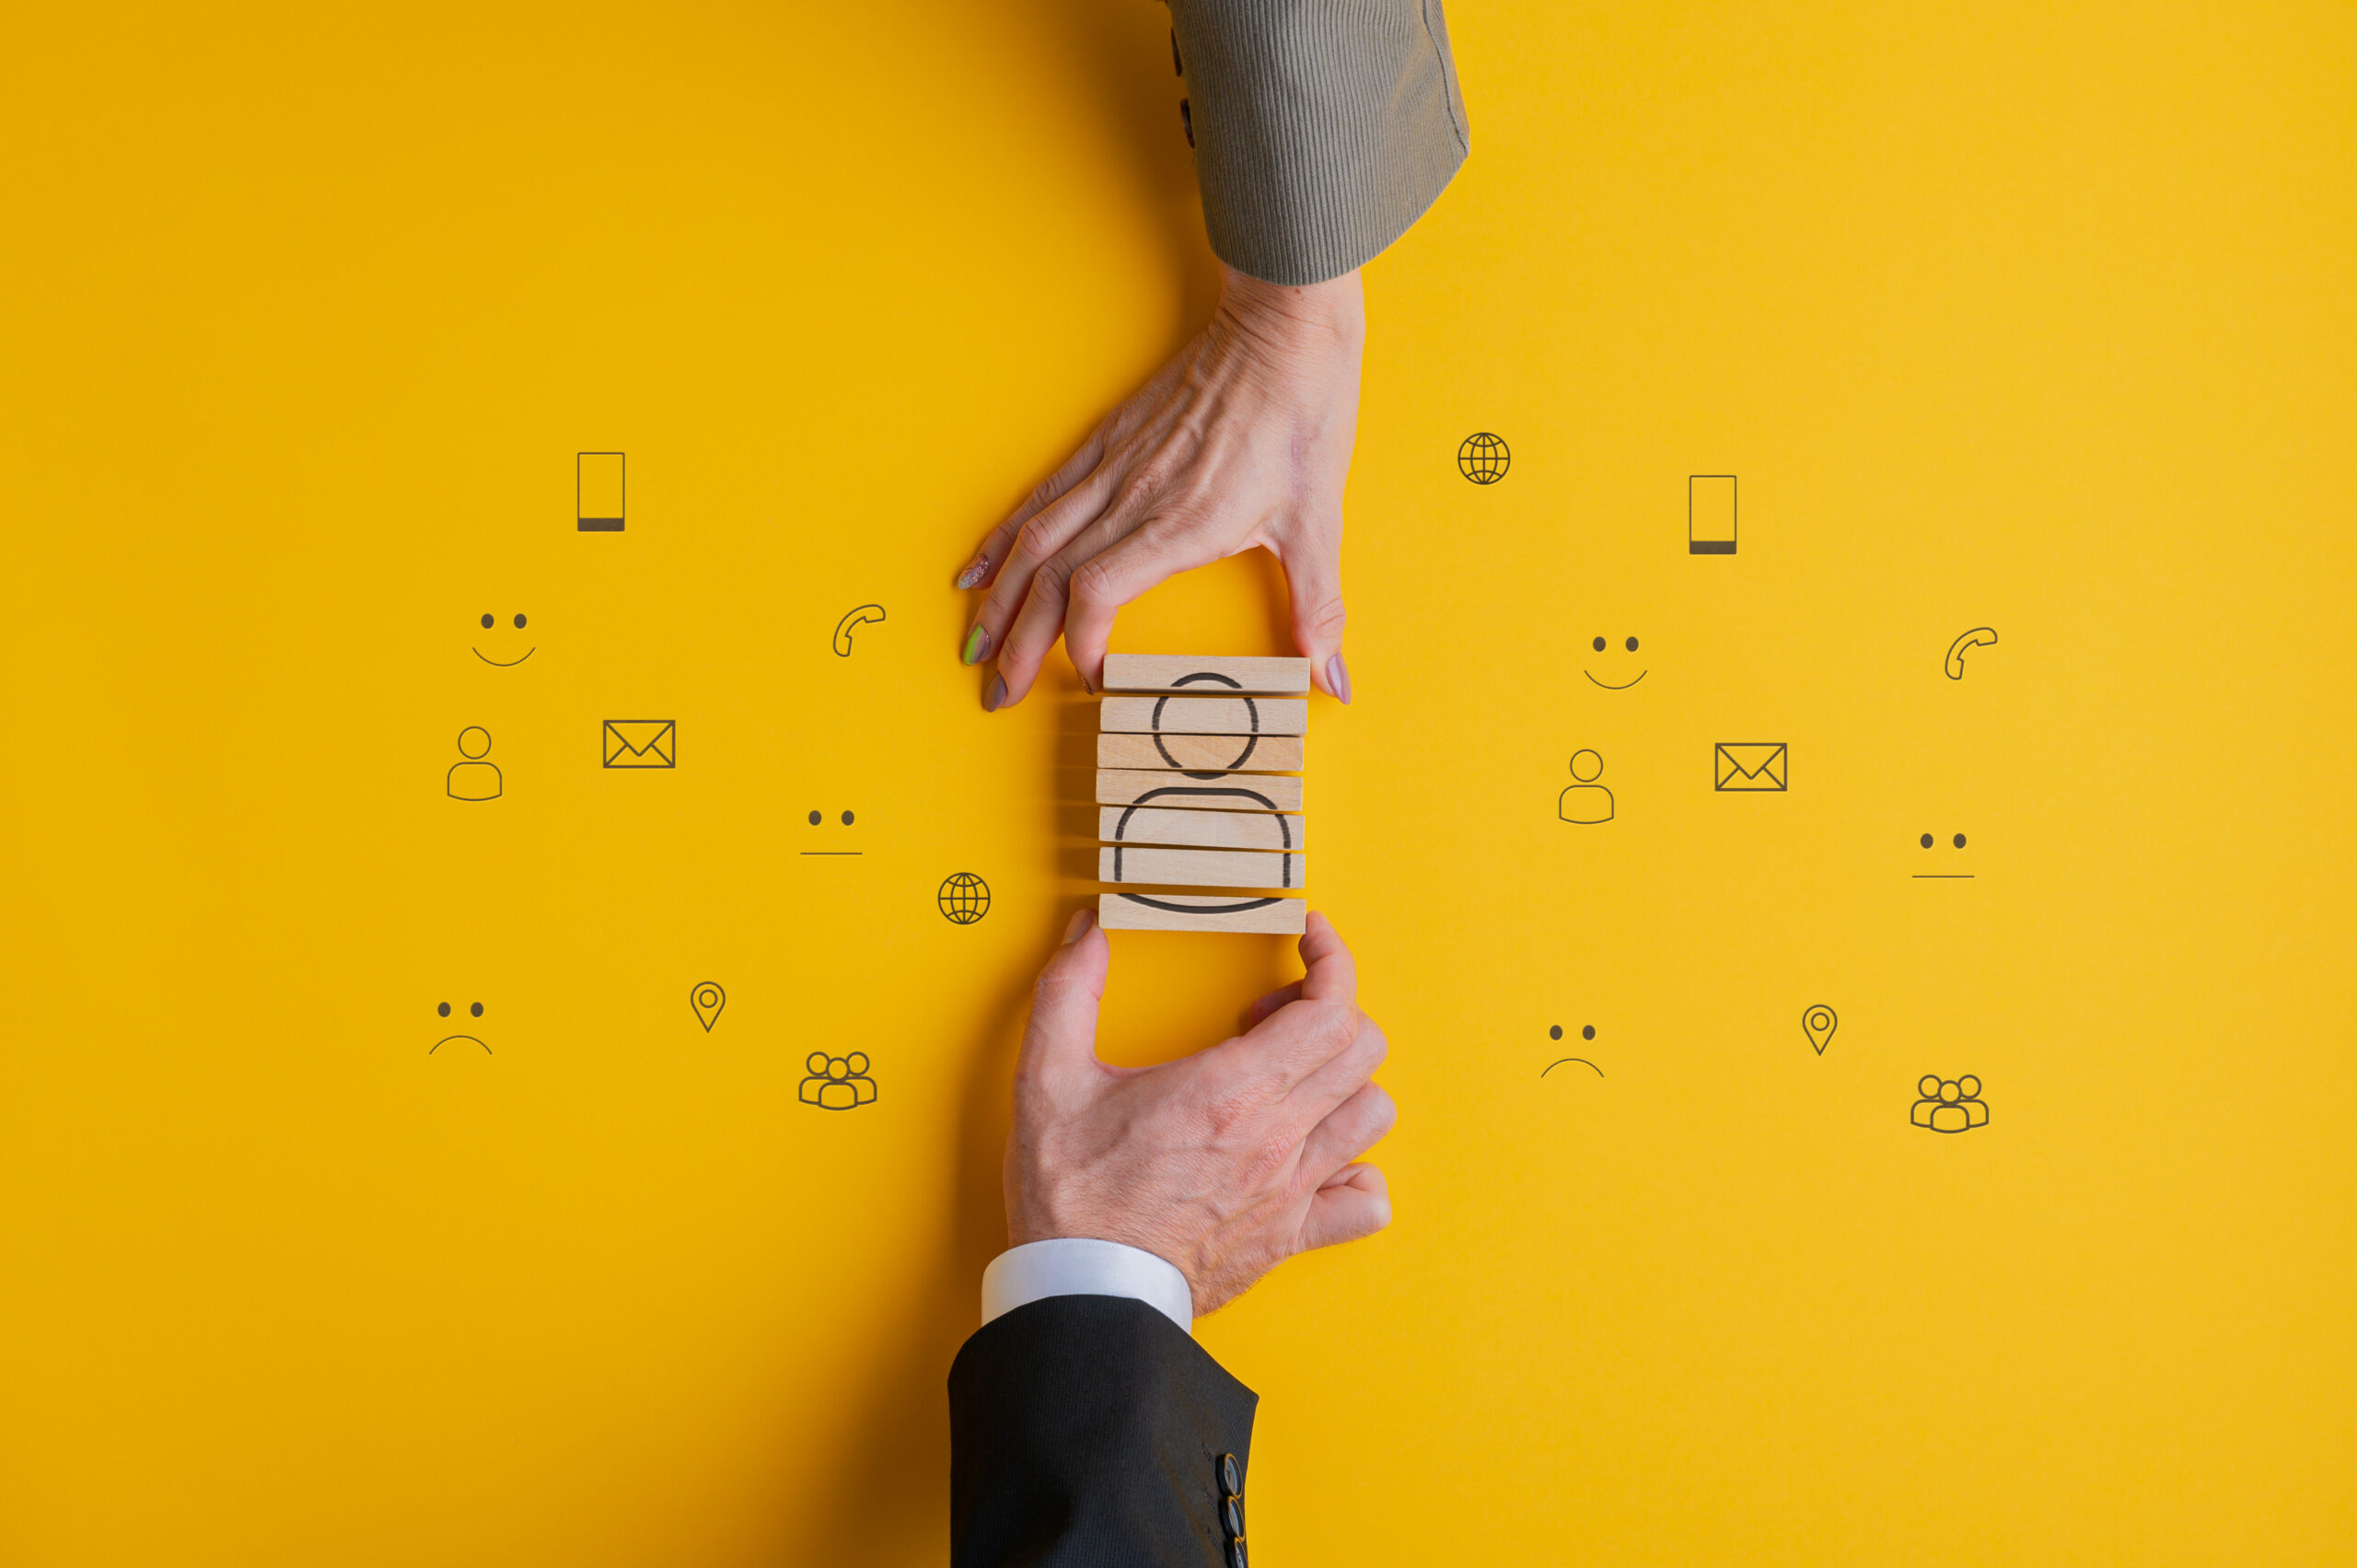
642, 743
1750, 765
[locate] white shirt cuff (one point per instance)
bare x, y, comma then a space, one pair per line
1078, 1266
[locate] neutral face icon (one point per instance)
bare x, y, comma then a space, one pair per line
1934, 841
503, 643
832, 844
474, 1010
1614, 663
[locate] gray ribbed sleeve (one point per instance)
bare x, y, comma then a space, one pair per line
1323, 128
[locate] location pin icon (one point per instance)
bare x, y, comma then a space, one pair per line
1818, 1023
708, 999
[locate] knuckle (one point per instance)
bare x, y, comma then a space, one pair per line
1325, 621
1230, 1114
1047, 582
1337, 1024
1272, 1165
1152, 474
1035, 540
1092, 584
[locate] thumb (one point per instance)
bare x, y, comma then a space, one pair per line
1314, 578
1060, 1040
1356, 1202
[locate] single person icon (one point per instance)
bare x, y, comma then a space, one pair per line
837, 1082
1948, 1105
1585, 802
474, 779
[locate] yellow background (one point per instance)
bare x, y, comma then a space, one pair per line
2029, 316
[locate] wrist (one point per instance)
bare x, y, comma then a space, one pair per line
1029, 1224
1320, 316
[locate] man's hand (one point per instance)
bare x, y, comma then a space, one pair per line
1225, 1163
1242, 439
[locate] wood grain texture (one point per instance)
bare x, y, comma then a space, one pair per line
1204, 830
1204, 716
1199, 867
1211, 754
1183, 912
1194, 792
1193, 672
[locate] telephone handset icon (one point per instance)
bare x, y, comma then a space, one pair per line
1978, 637
867, 613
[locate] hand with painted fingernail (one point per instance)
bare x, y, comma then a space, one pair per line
1242, 441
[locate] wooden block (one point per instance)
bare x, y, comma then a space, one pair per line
1190, 672
1203, 753
1199, 791
1181, 912
1204, 830
1204, 715
1199, 867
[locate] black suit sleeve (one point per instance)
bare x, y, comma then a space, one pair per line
1088, 1430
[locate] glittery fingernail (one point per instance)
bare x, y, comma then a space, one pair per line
973, 575
995, 695
978, 644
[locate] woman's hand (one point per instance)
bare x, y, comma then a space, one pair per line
1225, 1163
1242, 439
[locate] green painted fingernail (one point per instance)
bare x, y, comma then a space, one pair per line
978, 643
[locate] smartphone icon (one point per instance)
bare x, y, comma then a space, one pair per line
597, 492
1710, 513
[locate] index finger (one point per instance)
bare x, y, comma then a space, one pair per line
983, 570
1104, 582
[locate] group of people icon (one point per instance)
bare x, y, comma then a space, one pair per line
837, 1082
1949, 1104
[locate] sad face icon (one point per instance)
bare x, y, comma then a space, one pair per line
474, 1010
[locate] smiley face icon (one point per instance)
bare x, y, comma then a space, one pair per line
1617, 666
502, 643
474, 1010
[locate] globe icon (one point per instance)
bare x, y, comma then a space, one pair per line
964, 898
1483, 459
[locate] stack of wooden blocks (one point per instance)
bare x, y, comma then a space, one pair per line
1197, 785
